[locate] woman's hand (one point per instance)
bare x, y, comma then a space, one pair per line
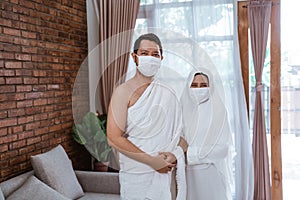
183, 144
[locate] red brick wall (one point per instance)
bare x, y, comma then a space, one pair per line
42, 44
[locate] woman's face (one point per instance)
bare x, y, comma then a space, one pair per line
199, 81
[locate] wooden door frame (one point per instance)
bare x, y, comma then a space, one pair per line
275, 89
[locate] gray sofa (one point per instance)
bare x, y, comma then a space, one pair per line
96, 185
53, 178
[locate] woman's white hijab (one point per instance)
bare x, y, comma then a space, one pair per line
210, 120
207, 118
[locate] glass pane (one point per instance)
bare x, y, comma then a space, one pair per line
141, 23
146, 2
171, 1
176, 19
290, 95
219, 25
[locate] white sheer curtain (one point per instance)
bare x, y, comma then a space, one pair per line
202, 34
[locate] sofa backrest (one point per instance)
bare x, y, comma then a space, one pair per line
12, 184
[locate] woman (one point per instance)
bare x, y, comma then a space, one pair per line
207, 132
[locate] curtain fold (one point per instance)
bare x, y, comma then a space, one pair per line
259, 13
116, 23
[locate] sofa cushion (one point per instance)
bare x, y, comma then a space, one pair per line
55, 169
1, 195
34, 189
13, 184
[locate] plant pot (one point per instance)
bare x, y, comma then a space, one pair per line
101, 166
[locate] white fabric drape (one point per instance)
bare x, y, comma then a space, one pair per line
202, 34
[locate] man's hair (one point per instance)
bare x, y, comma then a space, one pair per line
201, 73
149, 36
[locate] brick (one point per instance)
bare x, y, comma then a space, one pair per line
3, 148
13, 65
20, 10
23, 104
2, 81
9, 15
7, 105
11, 48
24, 88
13, 80
7, 56
6, 22
54, 128
31, 81
24, 57
26, 34
17, 160
33, 95
32, 126
9, 139
10, 31
39, 88
18, 129
26, 149
18, 144
40, 102
3, 131
32, 110
27, 4
25, 135
24, 120
33, 140
41, 131
23, 72
3, 114
16, 112
7, 89
6, 72
32, 50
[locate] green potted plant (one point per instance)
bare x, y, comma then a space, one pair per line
92, 134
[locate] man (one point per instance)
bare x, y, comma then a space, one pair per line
207, 131
144, 118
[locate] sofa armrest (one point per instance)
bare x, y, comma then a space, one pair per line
99, 182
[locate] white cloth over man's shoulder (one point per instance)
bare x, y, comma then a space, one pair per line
154, 124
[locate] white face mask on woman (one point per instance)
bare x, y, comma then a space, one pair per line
148, 65
199, 95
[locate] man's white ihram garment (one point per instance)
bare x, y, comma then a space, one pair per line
154, 124
207, 132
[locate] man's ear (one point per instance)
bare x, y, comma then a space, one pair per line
135, 58
161, 57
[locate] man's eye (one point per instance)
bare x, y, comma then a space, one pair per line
155, 55
143, 53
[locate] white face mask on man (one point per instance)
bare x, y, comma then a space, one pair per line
199, 95
148, 65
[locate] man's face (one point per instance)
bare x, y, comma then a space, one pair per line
147, 48
200, 81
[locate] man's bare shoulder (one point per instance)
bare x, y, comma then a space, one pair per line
123, 91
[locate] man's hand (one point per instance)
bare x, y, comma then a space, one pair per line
161, 165
183, 144
169, 157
